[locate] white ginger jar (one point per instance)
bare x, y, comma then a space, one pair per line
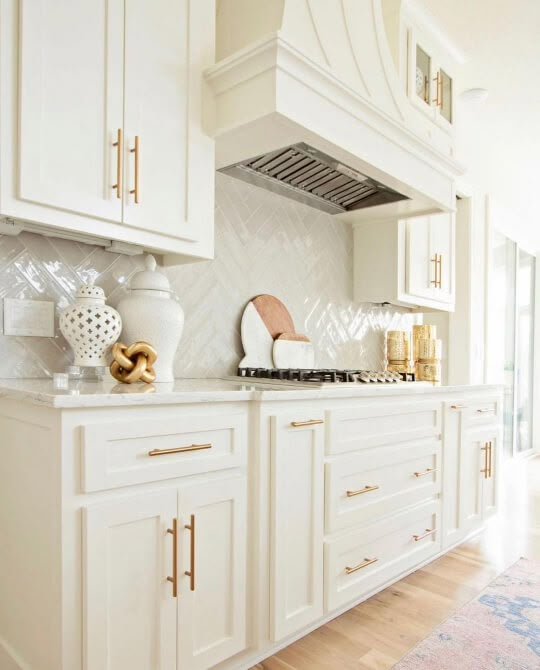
90, 326
150, 314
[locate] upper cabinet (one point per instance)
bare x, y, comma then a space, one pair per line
408, 262
102, 121
429, 82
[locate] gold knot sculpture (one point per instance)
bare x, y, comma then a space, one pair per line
134, 363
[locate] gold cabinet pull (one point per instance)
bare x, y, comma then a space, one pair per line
438, 80
458, 406
435, 260
191, 572
174, 579
427, 533
425, 472
118, 145
490, 459
366, 489
136, 152
364, 564
485, 470
178, 450
440, 271
486, 410
311, 422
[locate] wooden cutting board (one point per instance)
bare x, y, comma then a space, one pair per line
293, 350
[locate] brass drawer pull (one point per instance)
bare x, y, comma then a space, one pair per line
458, 406
366, 489
136, 151
311, 422
425, 472
486, 410
174, 579
428, 532
490, 465
178, 450
435, 281
191, 572
118, 145
485, 470
364, 564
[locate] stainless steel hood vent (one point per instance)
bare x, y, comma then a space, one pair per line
311, 177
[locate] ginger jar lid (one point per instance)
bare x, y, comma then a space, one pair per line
90, 291
149, 279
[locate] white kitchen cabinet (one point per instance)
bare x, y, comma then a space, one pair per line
129, 616
471, 460
297, 520
212, 598
111, 147
409, 262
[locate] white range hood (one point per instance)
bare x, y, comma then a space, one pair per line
318, 76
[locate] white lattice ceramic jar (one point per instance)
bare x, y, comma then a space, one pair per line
149, 313
90, 326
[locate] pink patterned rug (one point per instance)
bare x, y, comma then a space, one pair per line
498, 630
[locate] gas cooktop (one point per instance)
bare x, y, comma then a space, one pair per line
323, 377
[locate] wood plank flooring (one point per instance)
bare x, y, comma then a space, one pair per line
378, 632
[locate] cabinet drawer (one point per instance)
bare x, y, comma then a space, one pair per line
358, 563
373, 483
482, 412
385, 423
124, 453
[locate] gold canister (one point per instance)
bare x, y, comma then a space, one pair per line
428, 349
428, 371
397, 346
424, 331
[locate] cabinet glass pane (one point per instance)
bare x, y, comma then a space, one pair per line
422, 70
525, 330
445, 93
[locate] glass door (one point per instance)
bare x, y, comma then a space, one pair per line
524, 351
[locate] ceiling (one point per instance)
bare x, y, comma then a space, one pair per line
499, 140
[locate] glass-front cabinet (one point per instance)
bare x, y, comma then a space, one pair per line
430, 86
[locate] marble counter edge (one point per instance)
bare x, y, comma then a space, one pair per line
58, 400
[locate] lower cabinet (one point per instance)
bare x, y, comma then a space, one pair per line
157, 593
471, 461
297, 520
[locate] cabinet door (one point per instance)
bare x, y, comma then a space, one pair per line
297, 515
169, 176
212, 599
129, 612
420, 267
441, 242
472, 461
71, 81
453, 530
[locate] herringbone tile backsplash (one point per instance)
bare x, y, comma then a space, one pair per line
264, 244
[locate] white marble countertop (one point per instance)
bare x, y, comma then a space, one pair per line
112, 394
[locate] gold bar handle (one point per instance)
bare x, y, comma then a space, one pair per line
136, 152
191, 572
427, 533
485, 449
118, 145
486, 410
440, 271
178, 450
366, 489
311, 422
174, 579
364, 564
490, 466
458, 406
438, 79
435, 281
429, 471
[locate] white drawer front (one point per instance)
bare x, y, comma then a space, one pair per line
483, 412
374, 483
372, 425
124, 453
358, 563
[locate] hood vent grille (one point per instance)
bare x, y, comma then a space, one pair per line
313, 178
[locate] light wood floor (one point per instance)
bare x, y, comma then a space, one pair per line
378, 632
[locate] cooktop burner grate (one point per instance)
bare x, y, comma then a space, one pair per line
323, 376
